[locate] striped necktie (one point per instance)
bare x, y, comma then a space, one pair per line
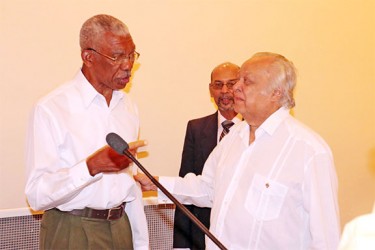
226, 126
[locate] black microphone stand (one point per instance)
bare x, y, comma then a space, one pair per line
176, 202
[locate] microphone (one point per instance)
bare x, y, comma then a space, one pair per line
121, 147
117, 143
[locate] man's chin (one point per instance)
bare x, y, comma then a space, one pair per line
237, 108
122, 83
226, 107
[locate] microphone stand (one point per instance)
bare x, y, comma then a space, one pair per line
175, 201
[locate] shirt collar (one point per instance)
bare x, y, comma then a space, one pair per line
268, 126
274, 120
89, 93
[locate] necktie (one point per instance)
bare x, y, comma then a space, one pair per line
226, 126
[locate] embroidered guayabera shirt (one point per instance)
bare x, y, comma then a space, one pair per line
279, 192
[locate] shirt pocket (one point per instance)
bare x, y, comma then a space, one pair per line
265, 198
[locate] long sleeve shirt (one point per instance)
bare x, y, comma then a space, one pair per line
359, 233
279, 192
67, 126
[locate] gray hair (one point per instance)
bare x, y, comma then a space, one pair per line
283, 76
94, 28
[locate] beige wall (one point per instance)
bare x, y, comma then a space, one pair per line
332, 43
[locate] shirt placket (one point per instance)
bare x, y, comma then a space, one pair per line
231, 190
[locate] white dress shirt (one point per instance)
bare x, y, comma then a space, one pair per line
67, 126
359, 233
278, 193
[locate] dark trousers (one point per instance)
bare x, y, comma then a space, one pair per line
185, 233
61, 230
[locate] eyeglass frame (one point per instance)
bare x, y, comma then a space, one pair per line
219, 85
116, 59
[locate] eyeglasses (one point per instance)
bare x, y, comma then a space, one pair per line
121, 58
219, 85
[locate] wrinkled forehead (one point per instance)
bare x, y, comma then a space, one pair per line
256, 66
117, 41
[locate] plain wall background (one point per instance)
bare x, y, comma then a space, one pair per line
332, 44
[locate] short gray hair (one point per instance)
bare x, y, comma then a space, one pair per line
93, 29
283, 76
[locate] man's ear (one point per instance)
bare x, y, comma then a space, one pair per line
211, 95
87, 57
276, 95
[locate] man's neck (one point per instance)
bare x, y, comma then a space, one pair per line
228, 115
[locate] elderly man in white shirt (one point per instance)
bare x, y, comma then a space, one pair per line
271, 182
87, 190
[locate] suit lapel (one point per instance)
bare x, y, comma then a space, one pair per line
209, 134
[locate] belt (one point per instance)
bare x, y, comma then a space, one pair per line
114, 213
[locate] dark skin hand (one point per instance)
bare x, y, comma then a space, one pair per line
108, 160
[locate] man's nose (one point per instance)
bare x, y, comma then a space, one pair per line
225, 88
126, 65
237, 85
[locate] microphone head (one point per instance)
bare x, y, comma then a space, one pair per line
117, 143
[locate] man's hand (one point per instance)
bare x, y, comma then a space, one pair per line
146, 183
108, 160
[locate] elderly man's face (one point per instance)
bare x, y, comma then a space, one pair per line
107, 73
251, 93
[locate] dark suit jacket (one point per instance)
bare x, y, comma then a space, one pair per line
200, 140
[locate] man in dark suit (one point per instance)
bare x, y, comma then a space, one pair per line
201, 137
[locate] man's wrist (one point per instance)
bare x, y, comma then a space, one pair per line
90, 166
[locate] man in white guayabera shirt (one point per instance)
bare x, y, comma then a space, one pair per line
271, 182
